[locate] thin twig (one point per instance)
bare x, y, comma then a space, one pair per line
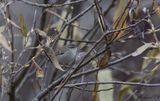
50, 5
9, 21
71, 21
98, 69
116, 83
80, 41
12, 86
87, 90
76, 17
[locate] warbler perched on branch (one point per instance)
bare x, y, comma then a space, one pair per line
67, 54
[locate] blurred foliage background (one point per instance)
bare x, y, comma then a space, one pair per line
74, 50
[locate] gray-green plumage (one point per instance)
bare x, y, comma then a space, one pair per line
67, 55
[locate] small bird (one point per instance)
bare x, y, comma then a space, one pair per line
67, 55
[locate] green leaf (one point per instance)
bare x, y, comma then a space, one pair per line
126, 89
23, 26
151, 55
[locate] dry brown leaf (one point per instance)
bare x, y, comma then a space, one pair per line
156, 7
158, 11
105, 59
141, 49
4, 43
53, 58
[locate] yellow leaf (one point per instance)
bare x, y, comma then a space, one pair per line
23, 26
39, 73
121, 16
